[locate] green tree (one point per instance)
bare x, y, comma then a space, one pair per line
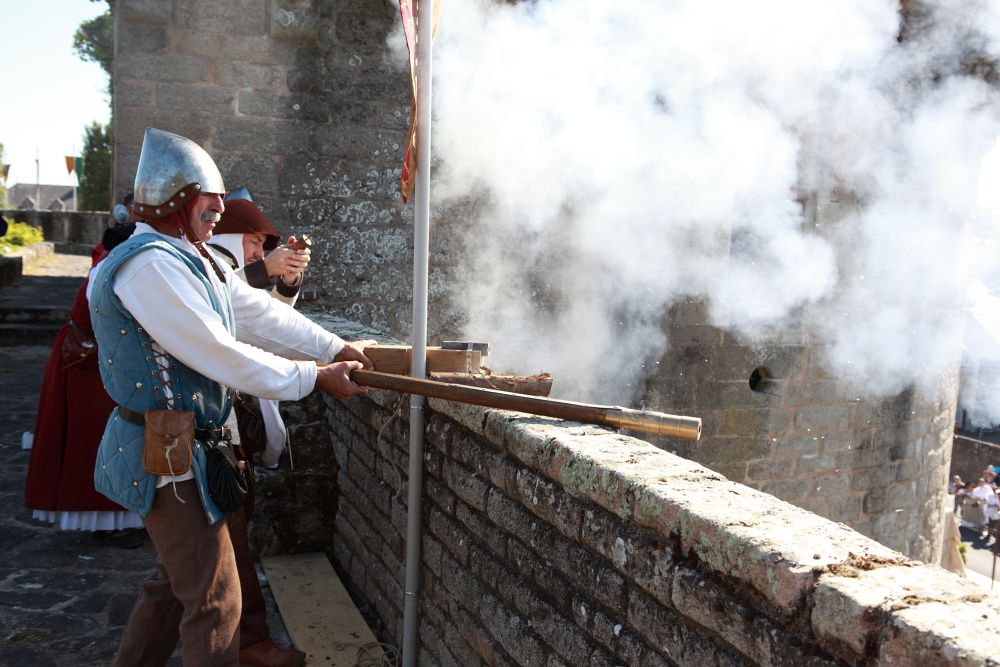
94, 40
94, 193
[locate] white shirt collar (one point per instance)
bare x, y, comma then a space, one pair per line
233, 243
182, 242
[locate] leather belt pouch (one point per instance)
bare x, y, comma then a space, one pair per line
167, 441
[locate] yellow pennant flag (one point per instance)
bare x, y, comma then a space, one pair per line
69, 164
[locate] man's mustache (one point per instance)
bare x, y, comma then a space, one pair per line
211, 216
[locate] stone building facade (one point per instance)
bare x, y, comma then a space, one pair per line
804, 435
298, 100
779, 417
301, 101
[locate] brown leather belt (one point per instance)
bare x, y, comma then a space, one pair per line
131, 416
211, 435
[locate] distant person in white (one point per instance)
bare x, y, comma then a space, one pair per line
986, 497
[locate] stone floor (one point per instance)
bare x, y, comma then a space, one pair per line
60, 266
64, 598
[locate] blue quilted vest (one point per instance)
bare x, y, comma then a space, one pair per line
133, 379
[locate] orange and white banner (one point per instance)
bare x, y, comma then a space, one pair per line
408, 15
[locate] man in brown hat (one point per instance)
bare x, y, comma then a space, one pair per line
241, 238
249, 242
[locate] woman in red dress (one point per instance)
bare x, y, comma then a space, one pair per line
73, 410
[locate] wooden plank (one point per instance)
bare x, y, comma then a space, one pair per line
453, 361
532, 385
317, 610
395, 359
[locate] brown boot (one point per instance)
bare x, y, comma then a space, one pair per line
266, 653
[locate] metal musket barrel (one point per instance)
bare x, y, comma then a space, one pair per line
644, 421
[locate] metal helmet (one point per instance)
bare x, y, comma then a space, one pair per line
171, 171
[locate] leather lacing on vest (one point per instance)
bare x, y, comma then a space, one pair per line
165, 394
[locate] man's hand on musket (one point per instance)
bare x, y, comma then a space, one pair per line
355, 351
335, 379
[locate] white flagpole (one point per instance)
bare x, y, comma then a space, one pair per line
421, 249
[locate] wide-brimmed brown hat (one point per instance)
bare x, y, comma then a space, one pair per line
243, 217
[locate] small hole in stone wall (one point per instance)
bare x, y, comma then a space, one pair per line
760, 380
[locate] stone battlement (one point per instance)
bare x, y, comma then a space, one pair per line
548, 542
74, 232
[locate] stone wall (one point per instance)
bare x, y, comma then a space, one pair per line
808, 436
65, 228
299, 101
12, 265
296, 505
556, 543
781, 418
971, 456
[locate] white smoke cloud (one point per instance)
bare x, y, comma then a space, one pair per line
624, 156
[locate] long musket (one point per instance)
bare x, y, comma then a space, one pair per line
644, 421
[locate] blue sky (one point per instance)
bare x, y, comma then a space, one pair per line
50, 93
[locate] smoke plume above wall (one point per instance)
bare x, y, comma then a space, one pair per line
613, 159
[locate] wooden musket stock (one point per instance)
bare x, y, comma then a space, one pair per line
644, 421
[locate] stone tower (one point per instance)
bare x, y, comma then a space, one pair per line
780, 419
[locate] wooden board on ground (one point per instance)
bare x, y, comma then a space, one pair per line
316, 609
395, 359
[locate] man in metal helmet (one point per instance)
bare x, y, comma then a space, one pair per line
177, 335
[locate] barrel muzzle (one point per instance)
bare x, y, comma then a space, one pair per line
655, 423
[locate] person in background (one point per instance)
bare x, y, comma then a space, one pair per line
247, 240
969, 510
955, 489
991, 512
241, 238
981, 495
72, 411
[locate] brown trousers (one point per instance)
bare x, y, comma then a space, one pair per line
204, 573
253, 620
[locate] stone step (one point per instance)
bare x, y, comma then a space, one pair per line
28, 334
22, 314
